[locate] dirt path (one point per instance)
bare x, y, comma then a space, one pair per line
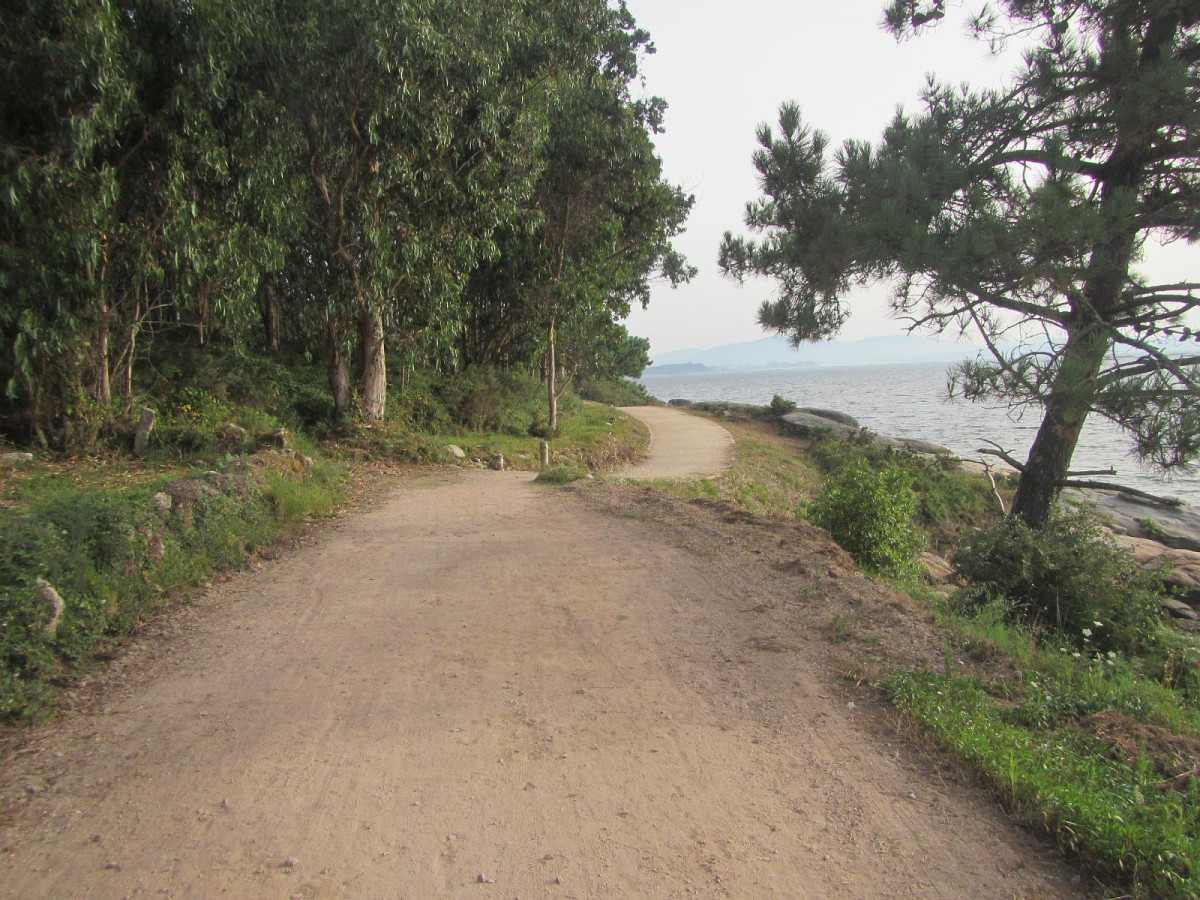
681, 445
570, 693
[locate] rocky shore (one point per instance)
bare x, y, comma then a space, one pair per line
1163, 538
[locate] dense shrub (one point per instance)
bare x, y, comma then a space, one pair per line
871, 514
1064, 579
613, 392
488, 399
781, 406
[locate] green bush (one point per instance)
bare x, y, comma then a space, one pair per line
1066, 579
613, 392
871, 514
489, 399
781, 406
560, 474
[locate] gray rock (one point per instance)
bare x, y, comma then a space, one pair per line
154, 548
307, 461
456, 451
678, 402
807, 425
141, 437
54, 605
1179, 610
231, 435
1177, 527
162, 501
840, 417
918, 446
277, 437
937, 570
13, 460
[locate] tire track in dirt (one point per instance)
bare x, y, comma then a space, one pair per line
480, 676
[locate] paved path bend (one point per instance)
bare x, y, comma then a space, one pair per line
681, 445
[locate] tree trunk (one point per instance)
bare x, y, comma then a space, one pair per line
271, 316
374, 367
103, 378
1070, 400
339, 381
551, 369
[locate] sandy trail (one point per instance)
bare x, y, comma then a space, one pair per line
484, 677
681, 445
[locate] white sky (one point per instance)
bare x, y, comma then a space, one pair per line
724, 69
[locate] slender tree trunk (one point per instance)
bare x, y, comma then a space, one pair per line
132, 348
339, 375
374, 367
551, 369
271, 316
103, 376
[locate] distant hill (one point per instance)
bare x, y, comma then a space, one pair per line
777, 353
677, 369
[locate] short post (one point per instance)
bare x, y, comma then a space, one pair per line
142, 436
545, 454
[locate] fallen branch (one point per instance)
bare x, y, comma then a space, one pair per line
998, 451
1121, 489
988, 470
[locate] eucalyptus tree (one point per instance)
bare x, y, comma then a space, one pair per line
1018, 212
417, 126
114, 208
604, 214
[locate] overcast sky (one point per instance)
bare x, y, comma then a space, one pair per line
724, 68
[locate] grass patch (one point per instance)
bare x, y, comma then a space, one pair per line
560, 475
112, 552
1118, 818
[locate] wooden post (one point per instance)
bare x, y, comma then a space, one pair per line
545, 454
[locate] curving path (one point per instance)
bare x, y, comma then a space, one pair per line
681, 445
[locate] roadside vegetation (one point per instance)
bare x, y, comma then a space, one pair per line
1061, 684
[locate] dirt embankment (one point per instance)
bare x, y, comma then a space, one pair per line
481, 686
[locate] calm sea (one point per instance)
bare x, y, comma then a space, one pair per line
908, 400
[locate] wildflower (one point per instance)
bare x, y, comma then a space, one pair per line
1087, 632
1098, 624
1076, 654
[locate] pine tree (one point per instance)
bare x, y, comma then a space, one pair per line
1015, 212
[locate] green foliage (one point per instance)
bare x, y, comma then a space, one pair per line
612, 391
484, 398
871, 514
111, 555
1065, 579
1116, 817
781, 406
560, 474
1024, 203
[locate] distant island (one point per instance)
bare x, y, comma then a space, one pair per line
778, 353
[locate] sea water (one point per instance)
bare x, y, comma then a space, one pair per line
909, 400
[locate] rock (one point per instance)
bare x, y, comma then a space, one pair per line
14, 460
498, 462
162, 501
1177, 527
141, 437
807, 425
307, 461
1179, 610
1179, 569
937, 570
277, 437
54, 605
483, 879
833, 415
455, 451
184, 492
154, 548
232, 436
679, 403
915, 445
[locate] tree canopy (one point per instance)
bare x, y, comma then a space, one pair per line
1019, 215
343, 177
